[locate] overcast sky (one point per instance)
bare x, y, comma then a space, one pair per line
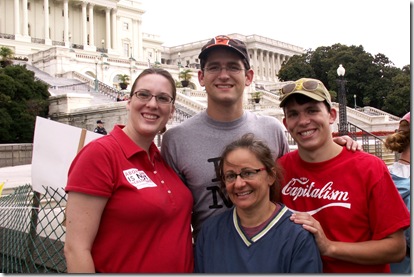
379, 26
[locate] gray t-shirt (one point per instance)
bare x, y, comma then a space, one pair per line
193, 148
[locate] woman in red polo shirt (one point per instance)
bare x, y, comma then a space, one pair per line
127, 210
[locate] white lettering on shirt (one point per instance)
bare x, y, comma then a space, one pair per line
303, 187
138, 178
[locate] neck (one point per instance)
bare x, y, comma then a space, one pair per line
139, 140
327, 152
405, 156
224, 113
253, 218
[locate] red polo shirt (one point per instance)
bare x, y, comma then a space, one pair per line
145, 226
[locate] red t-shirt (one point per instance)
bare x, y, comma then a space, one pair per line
145, 226
352, 196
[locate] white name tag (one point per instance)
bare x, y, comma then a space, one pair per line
138, 178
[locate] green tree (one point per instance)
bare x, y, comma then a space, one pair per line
397, 101
6, 55
296, 68
370, 78
21, 100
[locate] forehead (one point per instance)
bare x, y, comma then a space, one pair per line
154, 83
296, 101
240, 157
223, 55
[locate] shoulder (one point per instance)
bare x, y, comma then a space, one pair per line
363, 157
263, 118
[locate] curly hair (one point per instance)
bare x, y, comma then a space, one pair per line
398, 142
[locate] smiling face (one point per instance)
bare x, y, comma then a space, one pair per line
309, 124
250, 195
224, 86
147, 118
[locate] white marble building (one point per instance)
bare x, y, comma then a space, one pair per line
104, 38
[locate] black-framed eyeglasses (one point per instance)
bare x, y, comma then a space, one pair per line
145, 96
215, 69
309, 85
245, 174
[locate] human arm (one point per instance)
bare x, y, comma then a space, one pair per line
83, 215
387, 250
348, 142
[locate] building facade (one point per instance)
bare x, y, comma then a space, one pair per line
104, 38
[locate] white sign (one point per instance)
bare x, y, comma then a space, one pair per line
55, 145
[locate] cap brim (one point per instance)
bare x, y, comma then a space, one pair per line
306, 93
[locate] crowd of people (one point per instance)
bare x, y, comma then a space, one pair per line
225, 195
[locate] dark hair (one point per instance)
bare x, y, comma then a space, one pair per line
263, 154
159, 71
303, 99
398, 141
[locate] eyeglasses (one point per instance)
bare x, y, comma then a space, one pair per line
309, 85
145, 96
215, 69
245, 174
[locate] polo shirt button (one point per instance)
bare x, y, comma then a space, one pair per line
169, 191
162, 181
155, 172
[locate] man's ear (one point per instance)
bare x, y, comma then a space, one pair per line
249, 77
284, 122
332, 116
201, 78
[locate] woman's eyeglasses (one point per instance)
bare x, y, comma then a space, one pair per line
145, 96
309, 85
245, 174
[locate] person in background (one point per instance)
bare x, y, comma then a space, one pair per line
100, 127
346, 199
256, 235
193, 148
127, 210
400, 173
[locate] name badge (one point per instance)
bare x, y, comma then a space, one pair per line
138, 178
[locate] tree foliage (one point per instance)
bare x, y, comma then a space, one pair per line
6, 55
22, 98
374, 80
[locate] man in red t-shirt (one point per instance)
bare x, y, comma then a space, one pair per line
346, 199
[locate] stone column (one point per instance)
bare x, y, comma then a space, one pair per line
278, 62
66, 22
108, 28
25, 19
91, 26
255, 61
48, 41
114, 30
17, 17
84, 25
267, 66
261, 65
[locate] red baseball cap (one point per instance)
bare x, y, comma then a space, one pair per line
225, 41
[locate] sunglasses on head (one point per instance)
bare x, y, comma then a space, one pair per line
309, 85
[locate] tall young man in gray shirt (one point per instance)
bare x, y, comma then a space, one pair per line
193, 148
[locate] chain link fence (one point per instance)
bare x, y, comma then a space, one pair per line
31, 231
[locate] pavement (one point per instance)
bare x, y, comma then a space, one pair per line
14, 176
